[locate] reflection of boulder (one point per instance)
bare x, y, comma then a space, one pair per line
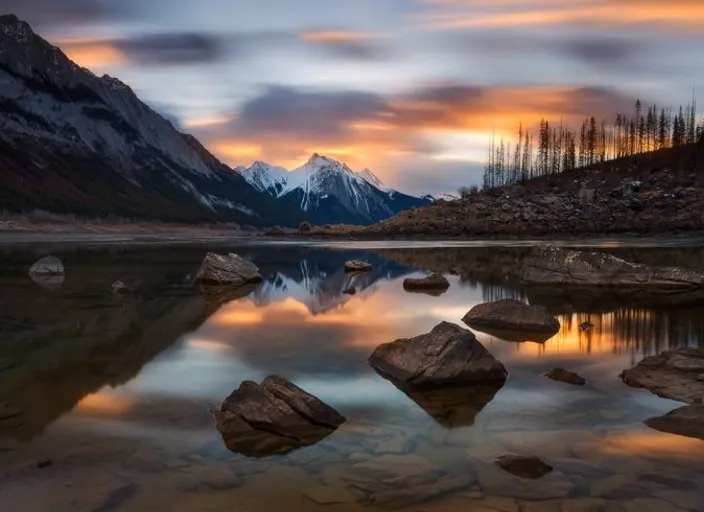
515, 336
226, 293
513, 316
446, 356
48, 281
451, 407
274, 417
550, 264
676, 374
685, 421
567, 299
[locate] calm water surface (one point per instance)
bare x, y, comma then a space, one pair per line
117, 392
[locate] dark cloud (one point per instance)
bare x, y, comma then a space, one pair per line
352, 50
320, 113
43, 13
603, 51
172, 48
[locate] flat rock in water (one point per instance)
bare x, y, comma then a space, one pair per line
357, 266
686, 421
512, 315
47, 266
447, 356
550, 264
273, 418
227, 269
525, 467
434, 282
562, 375
676, 374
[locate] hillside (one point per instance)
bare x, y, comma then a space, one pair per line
73, 142
652, 193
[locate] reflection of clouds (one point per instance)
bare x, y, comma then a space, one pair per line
103, 403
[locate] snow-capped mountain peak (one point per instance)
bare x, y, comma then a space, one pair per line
330, 192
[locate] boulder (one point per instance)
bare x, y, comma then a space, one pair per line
447, 356
524, 467
119, 287
676, 374
357, 266
512, 315
556, 265
47, 266
274, 417
227, 269
561, 375
432, 283
686, 421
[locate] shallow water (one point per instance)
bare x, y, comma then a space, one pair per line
117, 391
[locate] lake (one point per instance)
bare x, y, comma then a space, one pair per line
106, 400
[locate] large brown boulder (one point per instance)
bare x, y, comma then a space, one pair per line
274, 417
446, 356
228, 269
677, 374
512, 315
434, 284
550, 264
686, 421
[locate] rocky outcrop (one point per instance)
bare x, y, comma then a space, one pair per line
556, 265
512, 315
446, 356
677, 374
228, 269
562, 375
274, 417
357, 266
686, 421
434, 283
524, 467
47, 266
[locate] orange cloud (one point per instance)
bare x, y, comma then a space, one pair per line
92, 53
466, 14
336, 36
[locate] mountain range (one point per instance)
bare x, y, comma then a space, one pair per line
73, 142
328, 191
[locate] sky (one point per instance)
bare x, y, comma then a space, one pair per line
412, 89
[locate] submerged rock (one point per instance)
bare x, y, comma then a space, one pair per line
357, 266
525, 467
446, 356
686, 421
227, 269
434, 283
274, 417
556, 265
562, 375
47, 266
676, 374
512, 315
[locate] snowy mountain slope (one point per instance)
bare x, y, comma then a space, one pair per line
73, 142
330, 192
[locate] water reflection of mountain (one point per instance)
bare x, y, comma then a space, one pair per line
316, 277
57, 346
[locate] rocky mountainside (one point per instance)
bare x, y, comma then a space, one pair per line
73, 142
329, 192
654, 193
